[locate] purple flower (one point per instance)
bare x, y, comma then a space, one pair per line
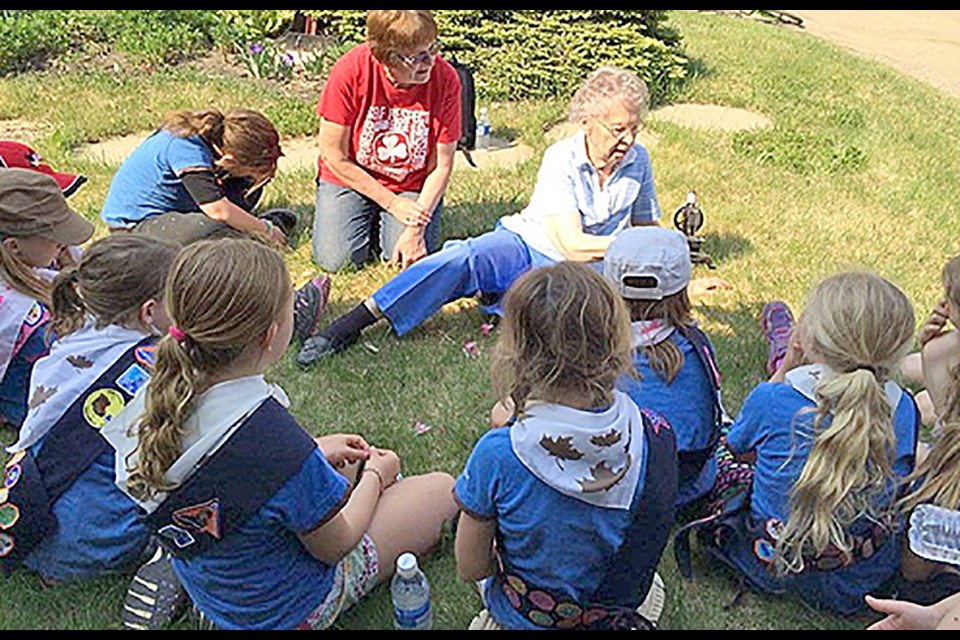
256, 48
288, 59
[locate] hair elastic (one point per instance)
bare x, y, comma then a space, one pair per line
177, 334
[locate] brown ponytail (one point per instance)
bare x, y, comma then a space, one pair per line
112, 281
222, 295
247, 136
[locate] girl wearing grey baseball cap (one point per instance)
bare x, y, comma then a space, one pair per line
590, 187
677, 371
36, 227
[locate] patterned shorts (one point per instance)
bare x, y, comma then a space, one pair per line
355, 578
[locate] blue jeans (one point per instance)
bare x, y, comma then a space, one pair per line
489, 264
351, 229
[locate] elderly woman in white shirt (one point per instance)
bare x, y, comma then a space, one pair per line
590, 187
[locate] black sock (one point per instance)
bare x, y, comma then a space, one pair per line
349, 325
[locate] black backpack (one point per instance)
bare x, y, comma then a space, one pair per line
468, 100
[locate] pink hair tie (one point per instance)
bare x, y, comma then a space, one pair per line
177, 334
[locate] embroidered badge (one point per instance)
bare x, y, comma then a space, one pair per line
765, 552
35, 316
80, 362
40, 396
102, 406
6, 545
180, 538
147, 356
658, 422
12, 476
133, 379
201, 518
9, 516
16, 459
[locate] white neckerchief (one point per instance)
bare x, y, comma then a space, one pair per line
16, 309
593, 457
218, 413
650, 333
75, 363
806, 379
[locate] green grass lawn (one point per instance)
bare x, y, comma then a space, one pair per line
859, 171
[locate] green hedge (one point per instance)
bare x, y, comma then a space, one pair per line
541, 54
31, 37
515, 54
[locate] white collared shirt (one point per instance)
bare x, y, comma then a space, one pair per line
569, 183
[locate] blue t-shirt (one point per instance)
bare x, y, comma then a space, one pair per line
764, 425
687, 404
547, 539
773, 424
99, 529
148, 184
260, 576
15, 386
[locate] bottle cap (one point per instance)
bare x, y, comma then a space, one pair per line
407, 564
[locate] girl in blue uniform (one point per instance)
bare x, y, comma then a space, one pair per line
268, 528
567, 510
677, 374
70, 520
832, 440
37, 228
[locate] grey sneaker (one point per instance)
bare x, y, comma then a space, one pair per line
155, 597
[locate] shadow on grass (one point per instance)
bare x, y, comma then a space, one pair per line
724, 247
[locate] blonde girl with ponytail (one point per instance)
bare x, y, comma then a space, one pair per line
833, 435
331, 516
107, 313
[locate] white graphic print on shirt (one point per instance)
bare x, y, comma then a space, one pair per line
394, 142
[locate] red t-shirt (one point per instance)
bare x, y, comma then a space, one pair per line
395, 130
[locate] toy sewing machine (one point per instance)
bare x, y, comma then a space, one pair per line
689, 221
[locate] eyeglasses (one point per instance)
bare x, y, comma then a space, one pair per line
621, 134
419, 58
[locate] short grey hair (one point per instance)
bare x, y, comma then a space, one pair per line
608, 85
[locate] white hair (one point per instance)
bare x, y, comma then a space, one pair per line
606, 86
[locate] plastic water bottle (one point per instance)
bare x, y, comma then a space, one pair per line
483, 130
935, 534
411, 596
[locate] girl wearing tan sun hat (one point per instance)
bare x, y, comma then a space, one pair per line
37, 226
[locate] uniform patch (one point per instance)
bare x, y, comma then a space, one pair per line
202, 518
6, 545
765, 552
133, 379
12, 477
102, 406
35, 316
180, 538
147, 356
9, 516
16, 459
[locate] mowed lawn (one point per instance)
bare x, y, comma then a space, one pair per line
859, 171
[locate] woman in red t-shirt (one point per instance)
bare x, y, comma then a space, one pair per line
389, 125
